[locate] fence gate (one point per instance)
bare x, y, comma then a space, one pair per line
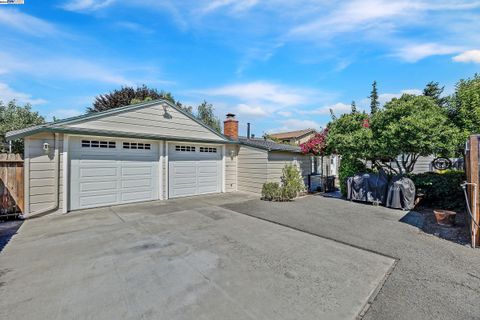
472, 170
11, 184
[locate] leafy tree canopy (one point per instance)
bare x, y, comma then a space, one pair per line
374, 103
205, 113
14, 117
126, 96
434, 91
409, 127
464, 107
405, 129
350, 134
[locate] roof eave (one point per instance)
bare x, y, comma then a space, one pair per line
117, 134
12, 136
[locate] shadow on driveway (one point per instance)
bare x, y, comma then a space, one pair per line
7, 230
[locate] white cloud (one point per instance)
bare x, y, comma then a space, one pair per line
337, 108
468, 56
135, 27
386, 97
261, 92
285, 113
26, 23
297, 124
357, 16
8, 94
244, 109
86, 5
64, 68
416, 52
235, 5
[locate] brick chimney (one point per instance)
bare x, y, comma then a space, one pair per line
230, 126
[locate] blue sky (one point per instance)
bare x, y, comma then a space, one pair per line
280, 65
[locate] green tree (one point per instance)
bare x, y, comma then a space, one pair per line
354, 107
14, 117
205, 113
464, 107
350, 135
434, 91
410, 127
129, 95
374, 103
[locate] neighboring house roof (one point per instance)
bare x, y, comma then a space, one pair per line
268, 145
292, 134
60, 126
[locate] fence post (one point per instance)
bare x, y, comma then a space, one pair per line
472, 172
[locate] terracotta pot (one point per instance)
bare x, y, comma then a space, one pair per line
445, 217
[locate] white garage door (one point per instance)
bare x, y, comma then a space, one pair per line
112, 171
193, 170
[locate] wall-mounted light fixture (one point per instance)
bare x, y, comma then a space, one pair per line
46, 147
232, 153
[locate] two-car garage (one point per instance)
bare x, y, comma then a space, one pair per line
106, 171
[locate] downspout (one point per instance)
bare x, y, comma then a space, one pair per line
56, 185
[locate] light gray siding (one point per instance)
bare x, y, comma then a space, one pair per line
40, 172
231, 168
252, 169
150, 120
278, 160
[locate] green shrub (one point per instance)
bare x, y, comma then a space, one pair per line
349, 166
292, 182
441, 190
292, 185
271, 191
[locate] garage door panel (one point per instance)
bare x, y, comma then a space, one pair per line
98, 172
137, 171
193, 173
180, 181
109, 176
98, 186
98, 199
136, 196
138, 183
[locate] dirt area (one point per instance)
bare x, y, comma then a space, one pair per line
459, 233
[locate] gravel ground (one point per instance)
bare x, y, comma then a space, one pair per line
434, 278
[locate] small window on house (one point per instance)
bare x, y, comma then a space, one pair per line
98, 144
185, 148
137, 146
208, 149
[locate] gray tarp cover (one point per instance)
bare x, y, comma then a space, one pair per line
401, 193
368, 187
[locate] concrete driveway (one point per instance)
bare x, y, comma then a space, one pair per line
181, 259
433, 278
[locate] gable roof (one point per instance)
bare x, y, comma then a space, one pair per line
62, 125
268, 145
292, 134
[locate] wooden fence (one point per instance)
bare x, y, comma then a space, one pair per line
12, 199
472, 171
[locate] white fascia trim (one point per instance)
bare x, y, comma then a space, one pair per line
66, 172
223, 168
160, 170
166, 171
26, 177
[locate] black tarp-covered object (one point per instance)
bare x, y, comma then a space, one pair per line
368, 187
401, 193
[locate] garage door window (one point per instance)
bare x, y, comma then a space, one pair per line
98, 144
185, 148
137, 146
208, 149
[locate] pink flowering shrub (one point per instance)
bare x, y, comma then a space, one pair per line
317, 145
